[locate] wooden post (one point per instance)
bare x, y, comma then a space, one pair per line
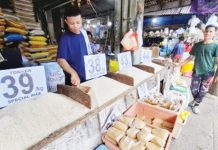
214, 87
125, 17
117, 25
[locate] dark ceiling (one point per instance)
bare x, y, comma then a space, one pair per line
100, 6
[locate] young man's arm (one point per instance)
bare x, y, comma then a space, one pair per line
216, 77
190, 58
75, 80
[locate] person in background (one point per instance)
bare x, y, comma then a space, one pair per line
205, 55
92, 44
178, 50
72, 47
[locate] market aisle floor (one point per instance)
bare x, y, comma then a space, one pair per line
201, 131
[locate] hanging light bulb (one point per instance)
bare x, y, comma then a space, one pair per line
94, 25
88, 21
79, 3
109, 23
72, 2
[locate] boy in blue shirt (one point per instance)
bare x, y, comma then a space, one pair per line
72, 48
178, 50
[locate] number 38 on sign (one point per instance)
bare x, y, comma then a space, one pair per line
22, 83
95, 66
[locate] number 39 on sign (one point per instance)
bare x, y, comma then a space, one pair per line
22, 83
95, 66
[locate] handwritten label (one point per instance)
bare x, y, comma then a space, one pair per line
95, 66
125, 60
143, 90
146, 55
1, 58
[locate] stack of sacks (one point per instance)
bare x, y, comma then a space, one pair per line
2, 29
37, 48
15, 31
24, 10
23, 48
53, 51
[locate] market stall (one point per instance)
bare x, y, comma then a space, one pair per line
131, 99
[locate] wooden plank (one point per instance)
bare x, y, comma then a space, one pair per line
80, 94
146, 68
159, 62
122, 78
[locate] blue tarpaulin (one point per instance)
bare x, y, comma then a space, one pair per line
204, 6
167, 20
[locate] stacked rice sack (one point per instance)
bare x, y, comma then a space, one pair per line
2, 29
24, 10
53, 51
37, 46
15, 31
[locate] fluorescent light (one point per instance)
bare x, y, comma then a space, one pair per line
154, 20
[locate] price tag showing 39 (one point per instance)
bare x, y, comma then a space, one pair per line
125, 60
21, 83
95, 66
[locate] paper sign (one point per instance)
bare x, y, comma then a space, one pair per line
125, 60
21, 84
146, 55
1, 58
143, 90
95, 66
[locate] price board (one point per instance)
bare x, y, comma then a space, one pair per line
125, 60
146, 55
21, 84
143, 90
95, 66
1, 58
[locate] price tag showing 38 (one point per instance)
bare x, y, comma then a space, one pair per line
95, 66
125, 60
22, 83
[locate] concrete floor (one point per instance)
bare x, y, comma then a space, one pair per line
201, 131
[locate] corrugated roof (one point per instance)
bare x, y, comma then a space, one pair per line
172, 11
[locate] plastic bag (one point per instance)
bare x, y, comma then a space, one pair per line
130, 41
113, 65
54, 76
14, 38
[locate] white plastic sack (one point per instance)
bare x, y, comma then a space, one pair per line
54, 75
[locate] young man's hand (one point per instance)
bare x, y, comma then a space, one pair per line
75, 80
216, 79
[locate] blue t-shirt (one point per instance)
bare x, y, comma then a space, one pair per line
72, 48
178, 49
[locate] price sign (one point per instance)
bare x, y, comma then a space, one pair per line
125, 60
95, 66
1, 58
143, 90
146, 55
20, 84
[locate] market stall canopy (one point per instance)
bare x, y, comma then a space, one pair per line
172, 11
88, 7
158, 5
